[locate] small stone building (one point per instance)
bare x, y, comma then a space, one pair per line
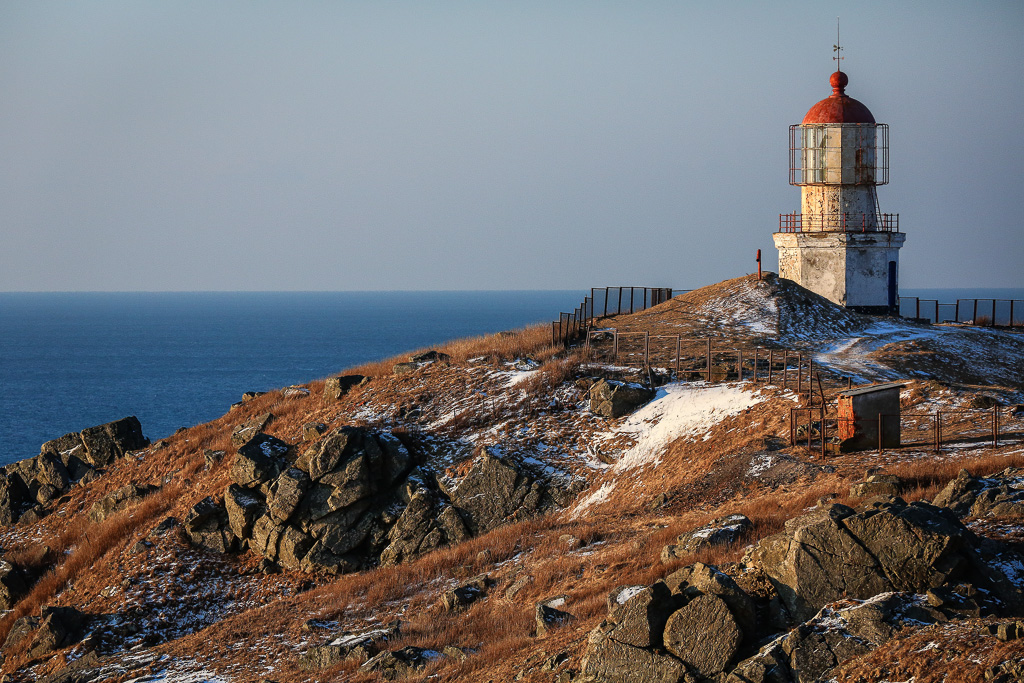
859, 411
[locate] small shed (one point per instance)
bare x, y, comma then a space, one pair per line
863, 410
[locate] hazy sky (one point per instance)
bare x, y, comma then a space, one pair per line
484, 145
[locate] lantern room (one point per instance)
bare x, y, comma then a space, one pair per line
840, 244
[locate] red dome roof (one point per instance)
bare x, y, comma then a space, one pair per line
838, 107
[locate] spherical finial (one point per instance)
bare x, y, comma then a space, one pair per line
838, 81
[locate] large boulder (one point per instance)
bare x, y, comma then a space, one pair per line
836, 552
704, 635
837, 633
243, 507
250, 428
721, 531
107, 442
259, 460
495, 492
336, 387
999, 494
612, 398
206, 525
400, 663
610, 661
12, 585
348, 645
59, 627
119, 499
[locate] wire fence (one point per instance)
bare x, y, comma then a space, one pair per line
983, 312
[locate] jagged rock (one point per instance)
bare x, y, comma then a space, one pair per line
325, 455
250, 428
721, 531
612, 398
293, 547
400, 663
59, 627
266, 533
548, 615
834, 553
415, 532
342, 530
311, 431
243, 507
703, 634
639, 620
465, 594
430, 356
320, 559
1000, 494
877, 485
50, 470
20, 629
13, 497
12, 585
609, 661
831, 637
336, 387
206, 525
349, 645
406, 368
250, 395
286, 493
259, 460
117, 500
213, 457
107, 442
703, 579
493, 493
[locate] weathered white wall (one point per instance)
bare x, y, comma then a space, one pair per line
851, 269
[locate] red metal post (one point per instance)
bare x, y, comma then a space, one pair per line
758, 264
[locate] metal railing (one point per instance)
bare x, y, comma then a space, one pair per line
604, 302
983, 312
843, 222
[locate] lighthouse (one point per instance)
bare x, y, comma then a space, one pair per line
841, 245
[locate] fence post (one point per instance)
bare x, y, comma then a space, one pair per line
709, 360
647, 349
956, 312
1011, 312
645, 300
918, 307
785, 369
799, 372
821, 428
935, 430
606, 301
879, 433
993, 313
771, 361
631, 291
974, 316
936, 311
615, 347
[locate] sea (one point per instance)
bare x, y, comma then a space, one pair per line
73, 360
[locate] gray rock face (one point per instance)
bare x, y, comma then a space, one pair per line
70, 458
243, 508
831, 637
117, 500
640, 620
1001, 494
58, 627
206, 525
336, 387
348, 645
722, 531
12, 585
250, 428
259, 460
609, 661
400, 663
878, 485
703, 634
612, 398
836, 553
494, 493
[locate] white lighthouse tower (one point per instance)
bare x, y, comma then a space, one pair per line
840, 245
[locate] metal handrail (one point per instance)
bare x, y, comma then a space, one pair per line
843, 222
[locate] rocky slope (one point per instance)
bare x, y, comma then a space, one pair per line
499, 509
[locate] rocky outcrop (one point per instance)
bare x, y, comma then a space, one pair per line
836, 552
1000, 494
207, 526
336, 387
722, 531
877, 485
119, 499
400, 663
12, 585
611, 398
359, 645
53, 629
495, 492
244, 432
37, 482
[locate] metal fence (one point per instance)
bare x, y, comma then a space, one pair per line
603, 302
983, 312
818, 427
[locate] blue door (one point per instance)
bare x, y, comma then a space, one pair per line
892, 286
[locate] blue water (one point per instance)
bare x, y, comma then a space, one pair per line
72, 360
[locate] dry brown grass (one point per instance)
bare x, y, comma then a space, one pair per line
533, 342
